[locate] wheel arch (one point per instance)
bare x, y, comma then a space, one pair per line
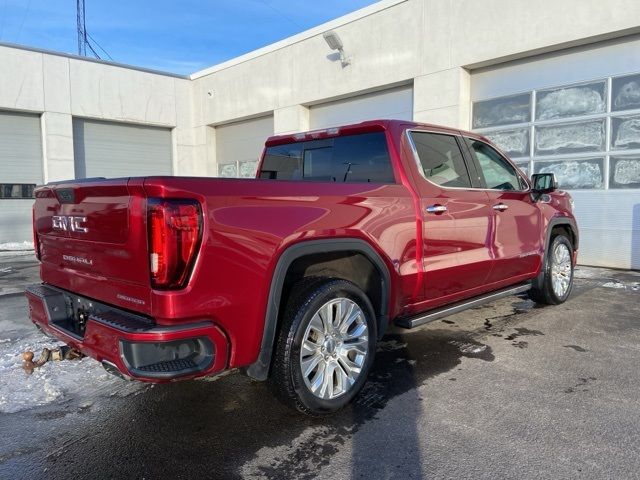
557, 224
333, 248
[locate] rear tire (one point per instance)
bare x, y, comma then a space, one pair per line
326, 346
557, 273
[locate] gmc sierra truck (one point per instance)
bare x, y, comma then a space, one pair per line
294, 276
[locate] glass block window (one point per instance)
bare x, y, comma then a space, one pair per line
575, 101
248, 169
514, 143
17, 190
624, 172
502, 111
575, 173
570, 137
524, 167
244, 169
625, 93
588, 134
625, 133
228, 170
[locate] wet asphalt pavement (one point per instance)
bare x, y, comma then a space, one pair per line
507, 390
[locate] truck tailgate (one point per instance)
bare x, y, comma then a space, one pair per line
92, 239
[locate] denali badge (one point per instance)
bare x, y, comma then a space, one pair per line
69, 223
73, 258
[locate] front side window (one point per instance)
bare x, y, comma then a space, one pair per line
498, 173
441, 159
361, 158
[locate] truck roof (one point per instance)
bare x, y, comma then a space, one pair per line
362, 127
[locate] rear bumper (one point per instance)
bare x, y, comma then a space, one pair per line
128, 344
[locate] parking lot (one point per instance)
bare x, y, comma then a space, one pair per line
508, 390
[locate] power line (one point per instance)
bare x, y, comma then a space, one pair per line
26, 12
4, 12
99, 46
85, 40
286, 17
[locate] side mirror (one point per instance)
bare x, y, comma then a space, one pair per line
544, 183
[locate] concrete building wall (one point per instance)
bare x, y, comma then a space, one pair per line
435, 44
60, 87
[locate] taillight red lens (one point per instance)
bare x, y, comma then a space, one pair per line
175, 228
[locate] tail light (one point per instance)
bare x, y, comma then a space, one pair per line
175, 230
36, 242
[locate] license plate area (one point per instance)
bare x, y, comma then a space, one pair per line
69, 312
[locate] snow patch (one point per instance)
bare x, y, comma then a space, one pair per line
55, 381
635, 286
16, 246
10, 253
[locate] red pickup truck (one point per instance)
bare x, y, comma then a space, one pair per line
294, 276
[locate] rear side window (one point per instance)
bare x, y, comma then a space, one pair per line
351, 158
498, 173
441, 159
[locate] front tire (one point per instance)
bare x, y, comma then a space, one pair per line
557, 274
325, 347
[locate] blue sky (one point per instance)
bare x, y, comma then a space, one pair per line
181, 36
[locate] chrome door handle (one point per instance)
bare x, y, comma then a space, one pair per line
500, 207
436, 209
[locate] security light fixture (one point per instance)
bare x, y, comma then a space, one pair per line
334, 42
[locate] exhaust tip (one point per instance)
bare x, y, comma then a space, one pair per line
113, 370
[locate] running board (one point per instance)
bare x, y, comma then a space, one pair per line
430, 316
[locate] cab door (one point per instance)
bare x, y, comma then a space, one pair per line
457, 230
516, 248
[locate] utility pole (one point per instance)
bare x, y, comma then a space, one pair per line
85, 40
82, 29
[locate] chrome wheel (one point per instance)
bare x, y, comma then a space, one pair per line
334, 348
561, 273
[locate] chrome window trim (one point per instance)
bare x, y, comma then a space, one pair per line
416, 158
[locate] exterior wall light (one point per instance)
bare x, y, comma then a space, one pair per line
334, 42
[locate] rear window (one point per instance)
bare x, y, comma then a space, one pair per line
352, 158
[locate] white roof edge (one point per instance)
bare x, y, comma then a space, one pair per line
299, 37
109, 63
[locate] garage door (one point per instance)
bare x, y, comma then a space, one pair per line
105, 149
396, 103
240, 144
20, 171
575, 113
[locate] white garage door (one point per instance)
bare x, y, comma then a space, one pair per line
575, 113
20, 171
240, 144
396, 103
105, 149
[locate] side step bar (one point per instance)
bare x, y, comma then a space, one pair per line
431, 315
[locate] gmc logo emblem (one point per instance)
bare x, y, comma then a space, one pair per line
68, 223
